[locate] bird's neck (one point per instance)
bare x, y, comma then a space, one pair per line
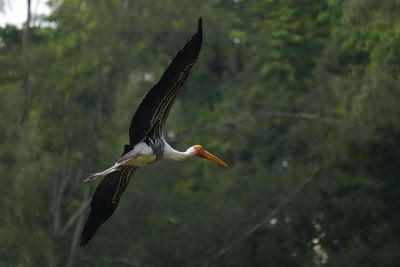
170, 153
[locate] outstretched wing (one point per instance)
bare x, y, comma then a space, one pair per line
105, 200
152, 113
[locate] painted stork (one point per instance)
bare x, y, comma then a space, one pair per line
147, 143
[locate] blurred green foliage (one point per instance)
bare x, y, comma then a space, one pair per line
301, 98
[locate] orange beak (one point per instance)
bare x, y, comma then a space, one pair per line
207, 155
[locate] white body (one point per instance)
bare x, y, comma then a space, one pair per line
141, 155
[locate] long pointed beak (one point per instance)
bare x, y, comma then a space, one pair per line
207, 155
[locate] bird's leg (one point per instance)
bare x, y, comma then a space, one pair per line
97, 175
121, 162
93, 176
125, 159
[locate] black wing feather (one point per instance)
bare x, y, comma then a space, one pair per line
153, 111
105, 200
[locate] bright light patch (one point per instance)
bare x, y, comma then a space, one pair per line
273, 221
148, 77
15, 12
236, 40
284, 163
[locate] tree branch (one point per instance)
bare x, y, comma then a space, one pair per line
225, 248
75, 216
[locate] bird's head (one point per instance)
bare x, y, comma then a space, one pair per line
199, 152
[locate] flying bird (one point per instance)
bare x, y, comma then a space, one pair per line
146, 140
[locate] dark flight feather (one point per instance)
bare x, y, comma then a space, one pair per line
152, 113
105, 200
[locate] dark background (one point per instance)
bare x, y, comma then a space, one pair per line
300, 97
